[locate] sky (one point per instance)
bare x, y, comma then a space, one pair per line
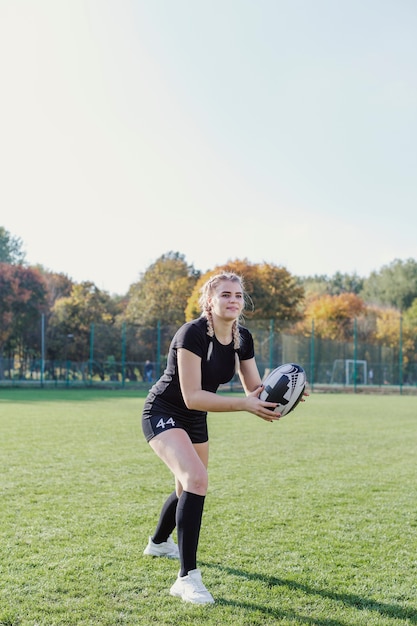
278, 131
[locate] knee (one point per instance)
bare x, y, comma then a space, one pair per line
198, 482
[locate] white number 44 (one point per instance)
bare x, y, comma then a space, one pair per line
162, 423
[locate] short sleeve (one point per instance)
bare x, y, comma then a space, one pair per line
247, 349
193, 338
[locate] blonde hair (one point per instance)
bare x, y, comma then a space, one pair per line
206, 292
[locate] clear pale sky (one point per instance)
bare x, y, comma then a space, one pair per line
274, 130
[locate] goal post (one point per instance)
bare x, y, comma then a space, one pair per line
349, 372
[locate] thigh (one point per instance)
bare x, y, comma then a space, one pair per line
187, 461
202, 450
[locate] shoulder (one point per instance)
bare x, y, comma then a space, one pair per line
244, 332
194, 328
193, 336
246, 350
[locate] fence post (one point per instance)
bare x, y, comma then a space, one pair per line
42, 347
271, 345
90, 361
355, 352
123, 353
400, 356
312, 356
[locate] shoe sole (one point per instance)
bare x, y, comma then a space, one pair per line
178, 594
167, 556
192, 601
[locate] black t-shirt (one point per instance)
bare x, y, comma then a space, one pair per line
218, 369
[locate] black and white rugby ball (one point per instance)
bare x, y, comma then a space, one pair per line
285, 385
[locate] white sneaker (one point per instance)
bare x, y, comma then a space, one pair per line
167, 548
191, 589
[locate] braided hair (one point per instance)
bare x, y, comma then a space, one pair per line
206, 291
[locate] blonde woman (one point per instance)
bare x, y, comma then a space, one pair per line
203, 354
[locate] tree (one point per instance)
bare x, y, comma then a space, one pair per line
395, 285
410, 332
319, 285
333, 316
22, 301
391, 330
272, 289
410, 316
72, 316
58, 285
162, 292
11, 251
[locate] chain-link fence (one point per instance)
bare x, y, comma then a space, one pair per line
133, 356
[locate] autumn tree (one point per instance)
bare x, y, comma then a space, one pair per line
58, 285
333, 316
393, 329
22, 301
410, 332
273, 291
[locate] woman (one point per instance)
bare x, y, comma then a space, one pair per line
203, 354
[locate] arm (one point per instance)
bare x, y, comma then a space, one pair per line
249, 375
189, 371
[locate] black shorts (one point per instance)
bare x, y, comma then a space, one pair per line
157, 420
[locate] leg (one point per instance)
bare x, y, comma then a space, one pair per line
167, 518
202, 450
166, 523
187, 461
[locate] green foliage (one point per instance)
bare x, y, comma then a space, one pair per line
309, 521
162, 292
394, 285
11, 250
410, 316
73, 315
333, 286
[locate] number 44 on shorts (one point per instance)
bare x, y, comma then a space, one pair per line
169, 423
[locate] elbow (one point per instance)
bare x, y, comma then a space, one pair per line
191, 402
190, 405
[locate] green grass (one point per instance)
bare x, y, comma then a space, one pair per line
310, 521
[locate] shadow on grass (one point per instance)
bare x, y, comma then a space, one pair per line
393, 611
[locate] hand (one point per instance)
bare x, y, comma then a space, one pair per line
261, 408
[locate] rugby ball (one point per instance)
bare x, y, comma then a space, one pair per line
285, 385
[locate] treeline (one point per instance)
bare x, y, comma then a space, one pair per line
384, 304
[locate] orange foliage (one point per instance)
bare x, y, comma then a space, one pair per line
333, 316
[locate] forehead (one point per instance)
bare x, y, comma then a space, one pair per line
232, 286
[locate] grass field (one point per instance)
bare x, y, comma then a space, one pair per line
311, 521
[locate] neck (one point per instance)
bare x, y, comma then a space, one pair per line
223, 329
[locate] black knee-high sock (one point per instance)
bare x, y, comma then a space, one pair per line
166, 523
189, 514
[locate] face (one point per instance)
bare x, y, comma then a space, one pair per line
227, 300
